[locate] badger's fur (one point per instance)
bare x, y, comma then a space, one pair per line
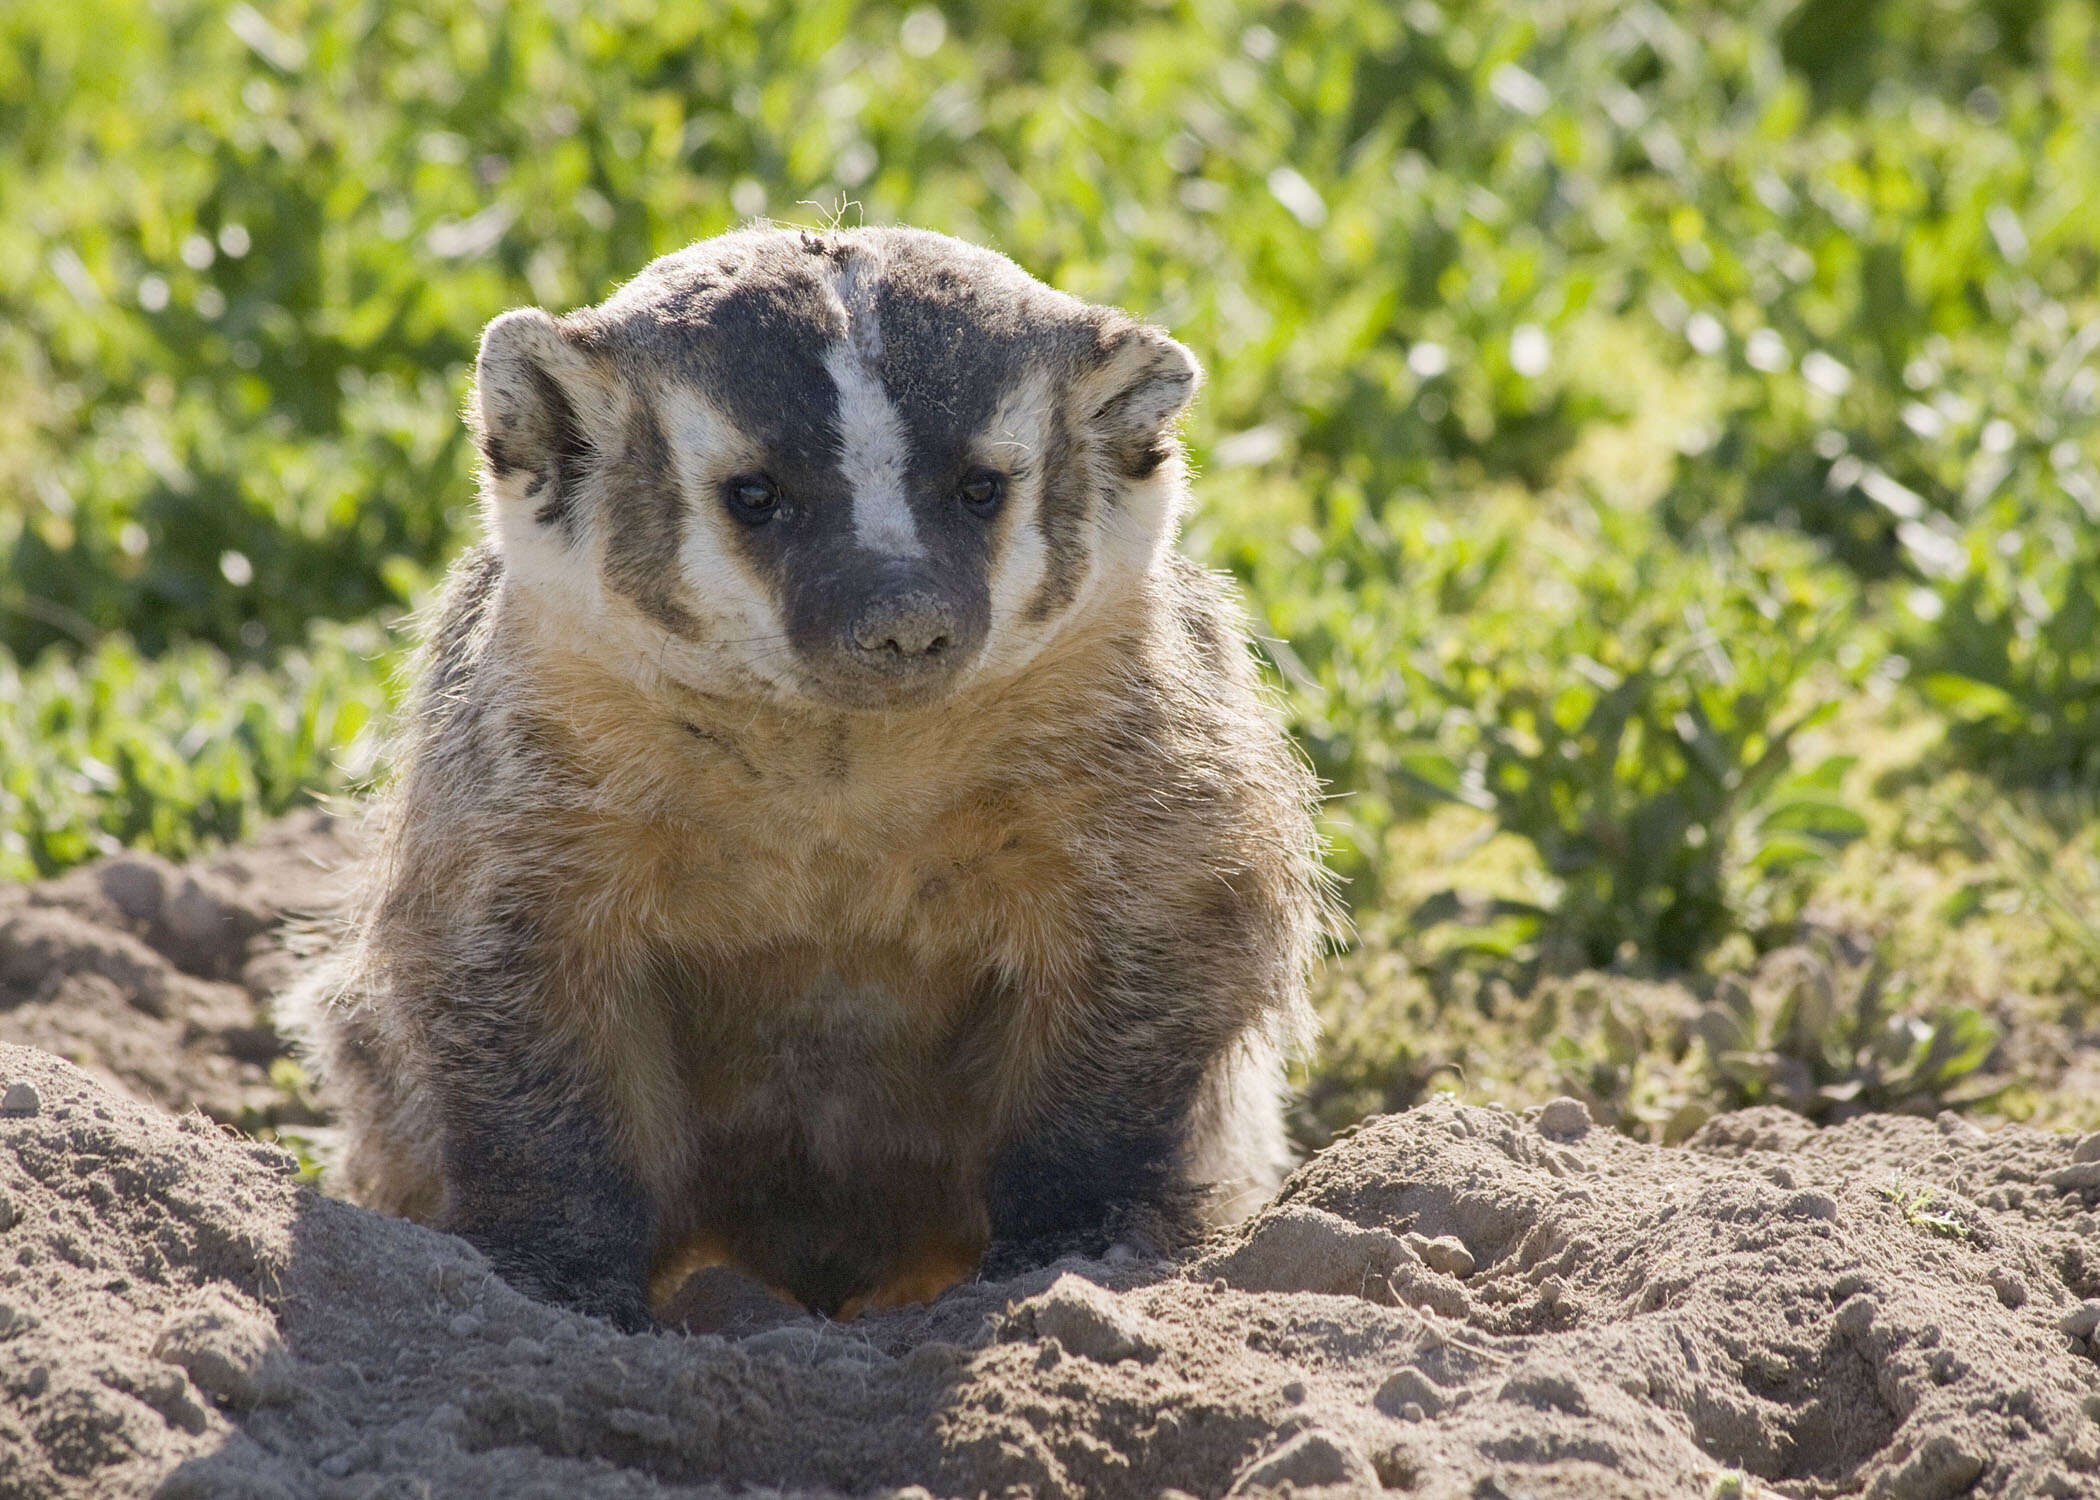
832, 832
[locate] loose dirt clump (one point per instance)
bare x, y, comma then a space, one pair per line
154, 977
1448, 1302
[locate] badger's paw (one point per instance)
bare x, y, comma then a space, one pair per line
923, 1275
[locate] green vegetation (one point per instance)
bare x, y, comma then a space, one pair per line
1662, 442
1923, 1208
107, 748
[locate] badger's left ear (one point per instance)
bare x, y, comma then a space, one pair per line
1142, 385
541, 404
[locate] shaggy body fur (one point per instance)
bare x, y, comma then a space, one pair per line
660, 960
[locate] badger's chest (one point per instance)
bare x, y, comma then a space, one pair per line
847, 1000
838, 1135
842, 1098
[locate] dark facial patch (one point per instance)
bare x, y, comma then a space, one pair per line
1061, 515
645, 523
953, 347
745, 320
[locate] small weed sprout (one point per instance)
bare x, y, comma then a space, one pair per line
1923, 1208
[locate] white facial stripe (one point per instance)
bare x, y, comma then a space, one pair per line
873, 455
699, 432
743, 630
1022, 563
1014, 440
873, 451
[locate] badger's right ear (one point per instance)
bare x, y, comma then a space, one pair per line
1143, 381
539, 400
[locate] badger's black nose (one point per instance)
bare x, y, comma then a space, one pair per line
904, 631
887, 631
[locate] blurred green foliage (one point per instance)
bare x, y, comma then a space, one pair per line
1607, 399
1646, 746
1817, 1037
109, 749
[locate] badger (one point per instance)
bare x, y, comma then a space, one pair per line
832, 832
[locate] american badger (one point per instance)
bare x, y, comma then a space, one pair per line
833, 832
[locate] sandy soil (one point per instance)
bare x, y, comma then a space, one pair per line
1449, 1302
153, 977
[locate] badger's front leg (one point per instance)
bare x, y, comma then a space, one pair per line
1157, 1100
1102, 1160
1065, 1189
530, 1175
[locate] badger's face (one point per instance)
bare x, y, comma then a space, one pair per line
862, 468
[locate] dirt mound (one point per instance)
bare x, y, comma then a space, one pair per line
1454, 1301
1450, 1302
154, 977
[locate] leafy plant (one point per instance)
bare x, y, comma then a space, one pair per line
176, 753
2012, 652
1924, 1208
2056, 876
1824, 1039
1646, 747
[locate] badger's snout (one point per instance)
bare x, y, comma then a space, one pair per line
905, 632
883, 632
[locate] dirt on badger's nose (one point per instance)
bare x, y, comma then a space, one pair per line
905, 630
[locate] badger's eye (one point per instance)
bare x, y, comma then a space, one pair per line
753, 498
982, 491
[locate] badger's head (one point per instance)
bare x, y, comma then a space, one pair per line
863, 467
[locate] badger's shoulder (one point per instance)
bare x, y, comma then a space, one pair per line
457, 632
475, 753
1205, 610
